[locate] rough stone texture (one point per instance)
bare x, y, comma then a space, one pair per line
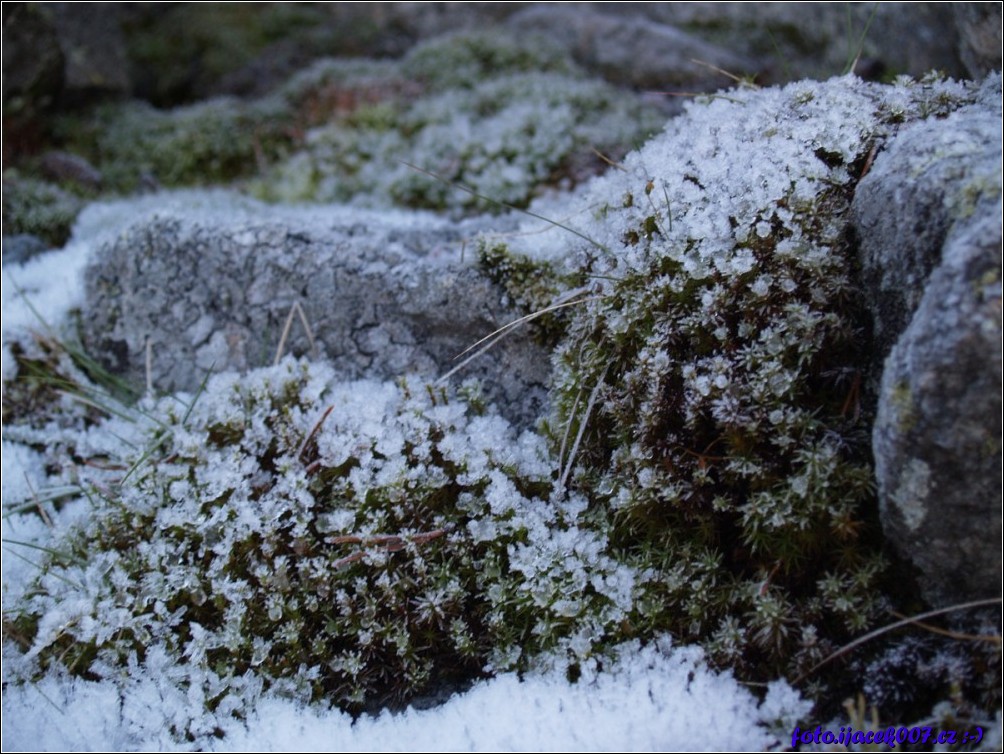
921, 183
382, 298
979, 26
820, 40
93, 48
32, 73
633, 50
70, 168
21, 247
929, 218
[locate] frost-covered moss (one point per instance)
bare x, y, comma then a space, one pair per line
216, 141
531, 121
504, 116
465, 60
715, 371
39, 208
359, 543
710, 427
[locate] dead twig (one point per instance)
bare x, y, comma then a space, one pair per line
892, 627
313, 432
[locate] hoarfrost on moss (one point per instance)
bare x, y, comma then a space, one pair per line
726, 351
359, 542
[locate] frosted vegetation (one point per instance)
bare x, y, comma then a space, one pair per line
287, 538
504, 116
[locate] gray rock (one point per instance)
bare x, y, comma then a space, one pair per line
21, 247
32, 71
920, 184
382, 296
94, 49
65, 167
929, 218
634, 50
979, 26
820, 40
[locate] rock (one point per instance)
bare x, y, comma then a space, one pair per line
979, 26
796, 41
931, 250
21, 247
32, 75
949, 163
93, 49
384, 294
71, 168
633, 50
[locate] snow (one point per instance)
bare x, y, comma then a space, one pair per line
653, 699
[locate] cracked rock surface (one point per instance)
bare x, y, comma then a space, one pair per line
383, 294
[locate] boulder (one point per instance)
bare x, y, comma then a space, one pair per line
979, 26
383, 294
32, 76
928, 215
634, 50
819, 40
94, 49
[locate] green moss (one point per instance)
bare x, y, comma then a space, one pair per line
358, 568
217, 141
901, 399
531, 285
467, 59
724, 447
39, 208
527, 124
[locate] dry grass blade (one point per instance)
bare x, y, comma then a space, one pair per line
497, 335
583, 423
608, 161
742, 81
38, 503
568, 428
989, 639
294, 309
314, 431
892, 627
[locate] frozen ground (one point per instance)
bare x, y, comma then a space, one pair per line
656, 697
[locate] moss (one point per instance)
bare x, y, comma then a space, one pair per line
723, 445
526, 125
467, 59
217, 141
359, 567
39, 208
901, 399
531, 285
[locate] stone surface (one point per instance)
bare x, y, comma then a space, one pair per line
20, 247
94, 49
65, 167
820, 40
929, 218
384, 294
633, 50
32, 74
979, 26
